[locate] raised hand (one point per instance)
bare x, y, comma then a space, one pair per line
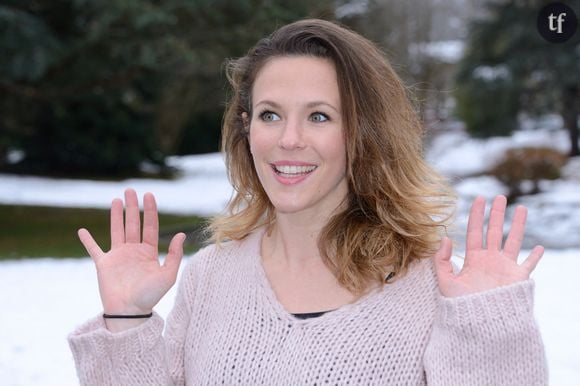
131, 279
491, 266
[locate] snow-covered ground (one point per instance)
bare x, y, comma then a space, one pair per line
202, 188
42, 300
553, 215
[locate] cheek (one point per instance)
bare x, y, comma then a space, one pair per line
336, 149
260, 142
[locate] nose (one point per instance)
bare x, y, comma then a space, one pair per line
291, 136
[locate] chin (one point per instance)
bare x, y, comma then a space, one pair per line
288, 208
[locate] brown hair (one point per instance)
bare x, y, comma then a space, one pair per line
396, 206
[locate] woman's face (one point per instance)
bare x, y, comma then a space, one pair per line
296, 135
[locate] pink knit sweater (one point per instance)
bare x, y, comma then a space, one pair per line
228, 328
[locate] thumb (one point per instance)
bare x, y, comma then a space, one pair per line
530, 263
174, 255
89, 243
442, 260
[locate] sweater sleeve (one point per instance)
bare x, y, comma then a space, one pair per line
489, 338
138, 356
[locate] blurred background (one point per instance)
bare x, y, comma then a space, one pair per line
98, 96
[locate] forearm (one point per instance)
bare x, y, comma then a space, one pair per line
487, 338
131, 357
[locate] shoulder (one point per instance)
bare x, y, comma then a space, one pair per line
215, 259
216, 267
416, 288
420, 274
408, 304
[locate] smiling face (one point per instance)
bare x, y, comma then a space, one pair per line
296, 135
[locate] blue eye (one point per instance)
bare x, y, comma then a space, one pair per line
319, 117
268, 116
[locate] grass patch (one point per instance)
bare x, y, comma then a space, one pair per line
34, 231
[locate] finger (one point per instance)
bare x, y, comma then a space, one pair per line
474, 239
442, 261
117, 228
90, 244
515, 237
132, 220
174, 255
495, 225
150, 221
532, 261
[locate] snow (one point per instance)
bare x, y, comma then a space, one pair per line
351, 8
491, 74
454, 153
202, 189
553, 215
446, 51
42, 300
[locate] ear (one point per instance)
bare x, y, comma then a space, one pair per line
246, 121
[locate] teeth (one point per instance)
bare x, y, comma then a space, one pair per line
287, 169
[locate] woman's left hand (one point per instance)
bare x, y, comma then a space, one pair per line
491, 266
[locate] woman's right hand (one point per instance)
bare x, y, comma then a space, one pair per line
131, 279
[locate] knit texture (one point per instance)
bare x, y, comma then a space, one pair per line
227, 327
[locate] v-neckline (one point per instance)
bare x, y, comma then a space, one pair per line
267, 292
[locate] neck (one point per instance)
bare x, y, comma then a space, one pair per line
295, 269
293, 238
293, 241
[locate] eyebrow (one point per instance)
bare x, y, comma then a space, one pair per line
308, 105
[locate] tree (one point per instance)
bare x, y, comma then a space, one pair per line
422, 39
100, 87
509, 68
189, 114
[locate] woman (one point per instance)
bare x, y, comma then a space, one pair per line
329, 266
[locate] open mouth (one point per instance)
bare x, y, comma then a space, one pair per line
290, 171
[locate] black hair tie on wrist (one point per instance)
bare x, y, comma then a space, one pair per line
108, 316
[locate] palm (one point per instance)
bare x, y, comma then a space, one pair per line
131, 279
491, 266
121, 284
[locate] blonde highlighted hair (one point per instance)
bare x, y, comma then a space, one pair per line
397, 206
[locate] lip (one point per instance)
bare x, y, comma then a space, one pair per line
292, 163
290, 180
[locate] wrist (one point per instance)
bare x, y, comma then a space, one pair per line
127, 316
119, 325
121, 309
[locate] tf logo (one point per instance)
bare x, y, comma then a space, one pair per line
557, 22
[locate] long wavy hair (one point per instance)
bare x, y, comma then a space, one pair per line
397, 206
